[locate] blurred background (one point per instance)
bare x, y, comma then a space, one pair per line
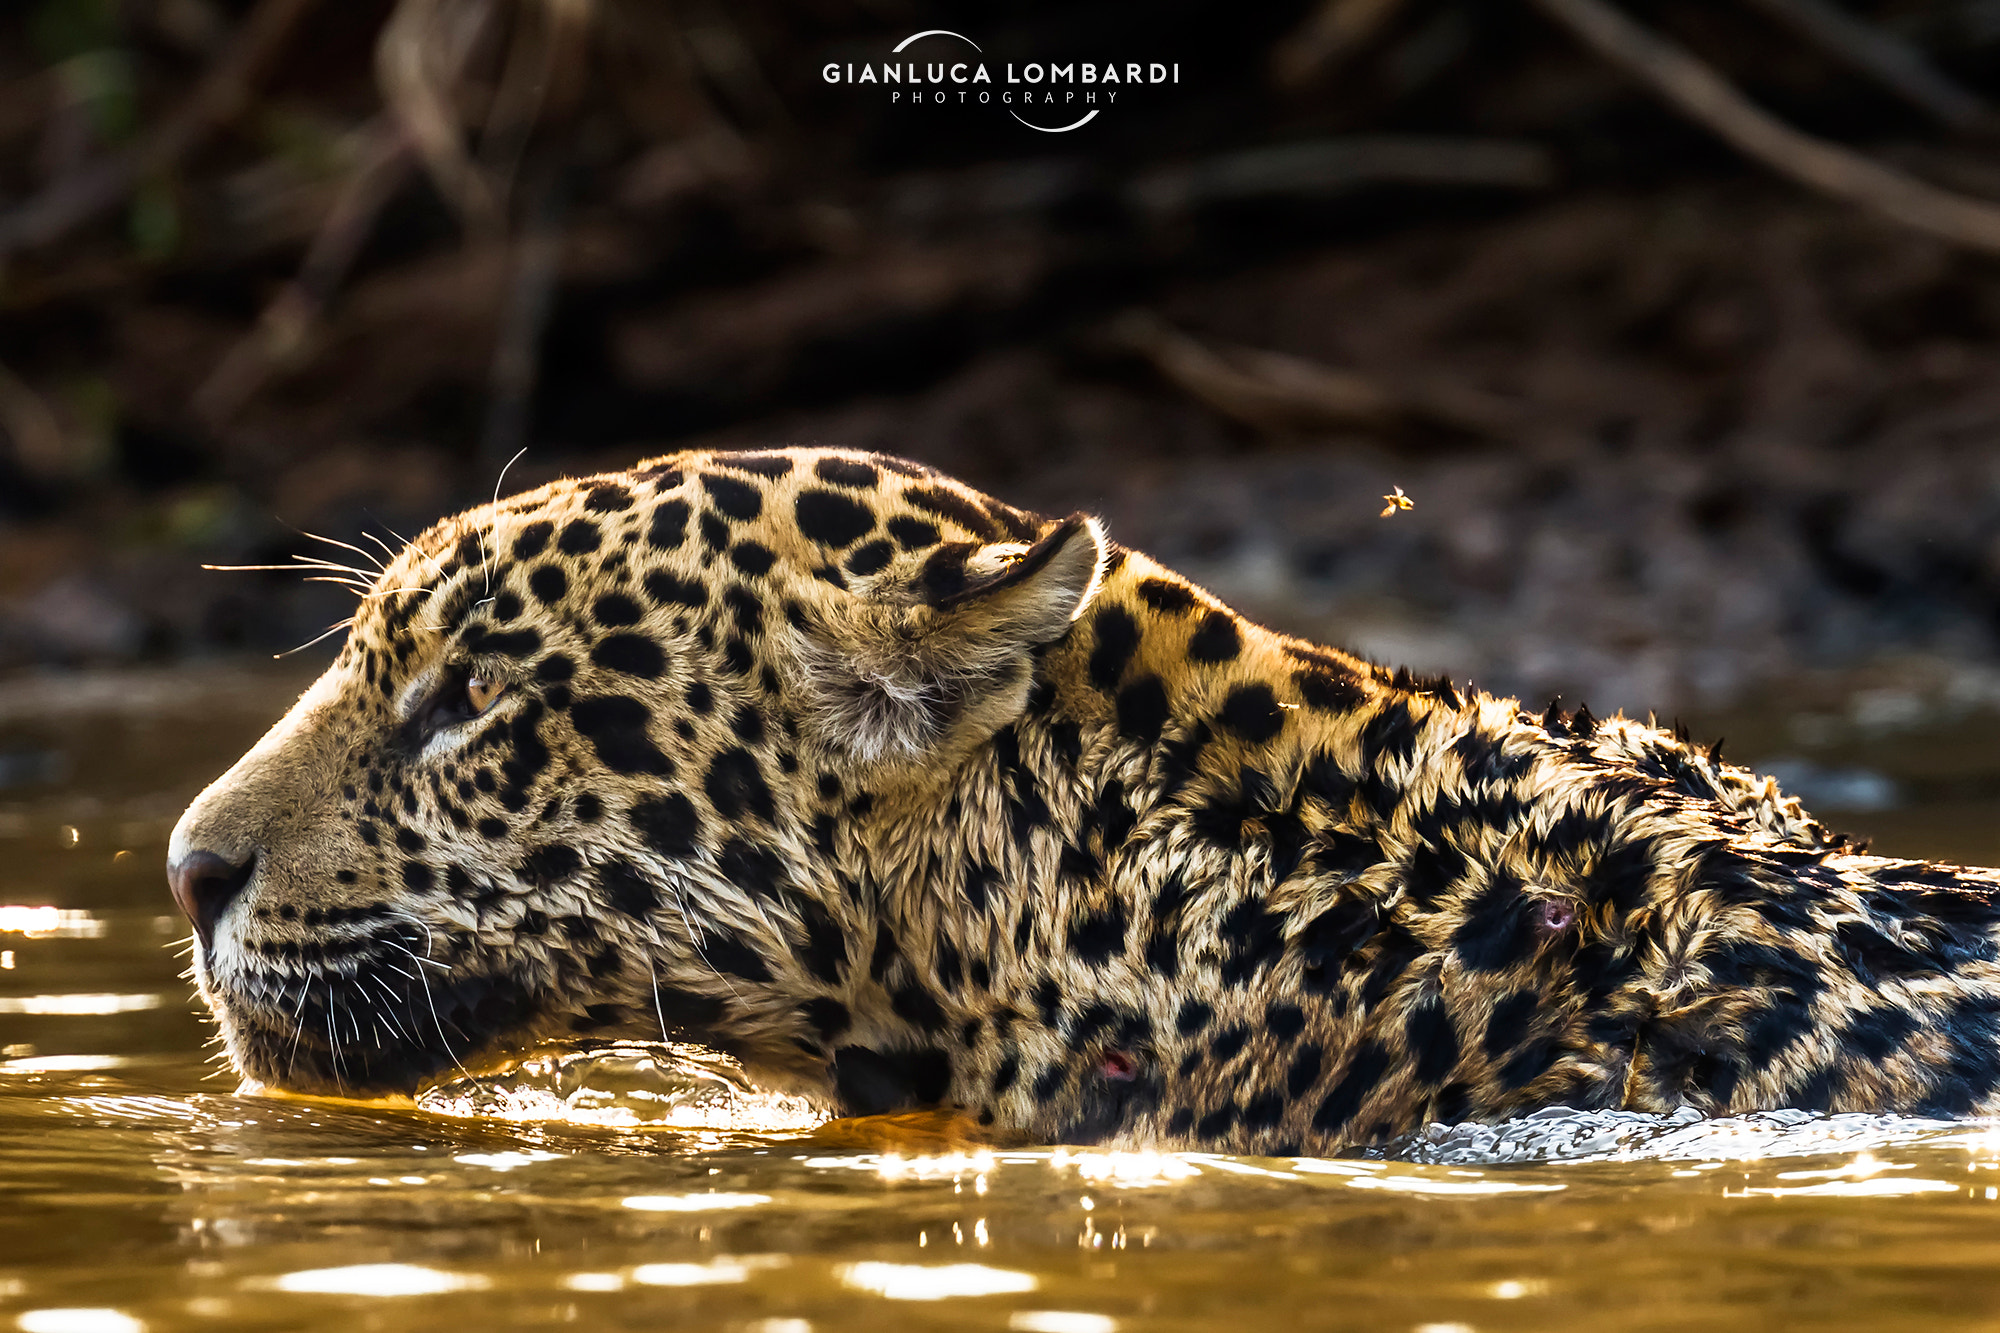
1678, 321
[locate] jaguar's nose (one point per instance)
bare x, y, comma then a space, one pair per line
204, 885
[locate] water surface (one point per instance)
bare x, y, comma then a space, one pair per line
138, 1191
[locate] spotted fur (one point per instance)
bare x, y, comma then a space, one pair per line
907, 796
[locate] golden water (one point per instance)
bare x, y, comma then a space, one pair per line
137, 1191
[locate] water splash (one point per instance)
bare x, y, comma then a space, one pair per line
1562, 1135
680, 1086
651, 1085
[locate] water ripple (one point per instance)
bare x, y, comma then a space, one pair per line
1562, 1135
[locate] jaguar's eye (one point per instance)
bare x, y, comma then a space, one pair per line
462, 696
481, 693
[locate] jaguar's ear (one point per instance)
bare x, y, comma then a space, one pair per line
948, 646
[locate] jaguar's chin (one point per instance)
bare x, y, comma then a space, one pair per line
287, 1061
367, 1036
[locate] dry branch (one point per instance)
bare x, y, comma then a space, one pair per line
531, 290
420, 59
745, 336
222, 95
1884, 57
1701, 93
1336, 30
1274, 391
544, 74
541, 77
1330, 166
286, 325
30, 425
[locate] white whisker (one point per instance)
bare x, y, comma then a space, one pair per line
387, 1016
485, 563
694, 938
333, 1037
298, 1028
297, 564
429, 998
359, 589
331, 630
652, 970
387, 550
422, 554
365, 555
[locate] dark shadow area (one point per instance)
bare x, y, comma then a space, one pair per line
1682, 426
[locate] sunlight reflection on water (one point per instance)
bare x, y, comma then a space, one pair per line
691, 1275
378, 1280
691, 1203
933, 1282
79, 1002
78, 1320
47, 923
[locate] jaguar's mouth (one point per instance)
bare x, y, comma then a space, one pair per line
366, 1032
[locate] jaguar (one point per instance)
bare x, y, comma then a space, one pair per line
906, 797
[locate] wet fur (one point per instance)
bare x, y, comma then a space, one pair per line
907, 796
